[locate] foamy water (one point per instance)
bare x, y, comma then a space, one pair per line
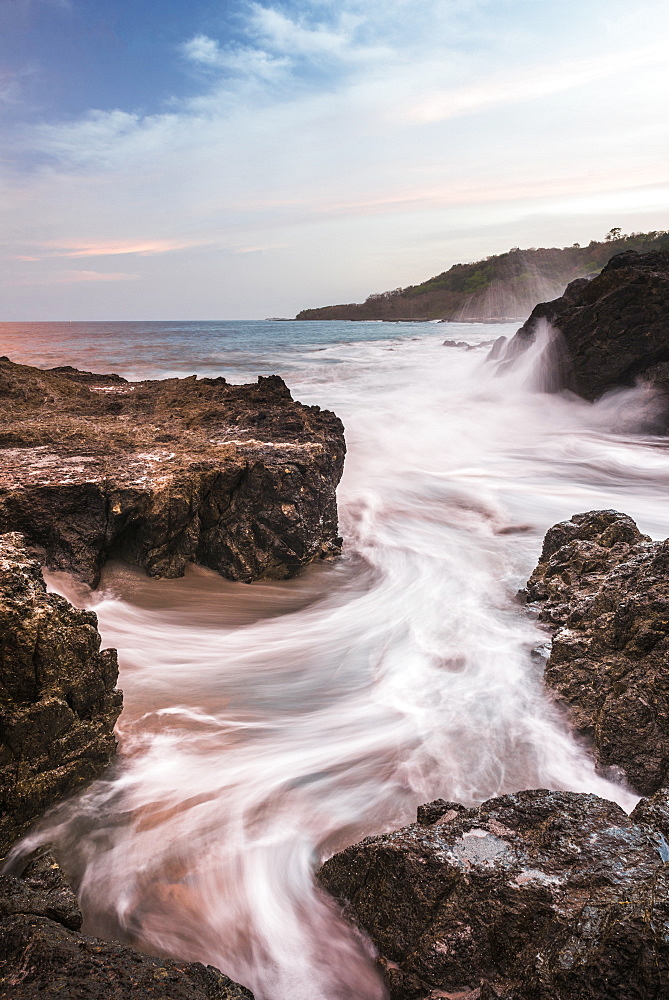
267, 726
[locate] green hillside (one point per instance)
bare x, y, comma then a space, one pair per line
502, 287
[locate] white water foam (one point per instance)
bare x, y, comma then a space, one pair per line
267, 726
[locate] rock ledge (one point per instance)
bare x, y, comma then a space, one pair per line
240, 479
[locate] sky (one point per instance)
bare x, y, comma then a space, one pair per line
238, 160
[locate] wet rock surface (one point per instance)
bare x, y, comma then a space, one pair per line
535, 896
615, 327
43, 953
603, 589
57, 694
240, 479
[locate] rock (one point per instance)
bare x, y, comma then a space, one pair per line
88, 378
603, 589
57, 692
615, 327
653, 812
240, 479
41, 890
535, 896
43, 954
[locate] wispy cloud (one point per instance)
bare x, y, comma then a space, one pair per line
144, 248
206, 53
514, 87
70, 277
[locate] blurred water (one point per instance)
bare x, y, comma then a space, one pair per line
267, 726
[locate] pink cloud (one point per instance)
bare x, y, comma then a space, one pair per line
144, 248
68, 277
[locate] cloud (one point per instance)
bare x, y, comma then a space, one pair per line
145, 248
528, 85
260, 249
243, 60
68, 277
284, 34
341, 133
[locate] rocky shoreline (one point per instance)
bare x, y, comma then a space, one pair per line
241, 479
538, 895
546, 895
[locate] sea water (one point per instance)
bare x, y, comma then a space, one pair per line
267, 726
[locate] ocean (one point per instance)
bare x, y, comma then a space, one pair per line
268, 725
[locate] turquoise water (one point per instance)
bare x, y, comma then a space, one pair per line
237, 349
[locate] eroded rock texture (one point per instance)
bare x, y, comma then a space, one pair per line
44, 954
535, 896
58, 702
615, 327
603, 588
240, 479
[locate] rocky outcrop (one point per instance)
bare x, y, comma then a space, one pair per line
44, 954
615, 328
603, 589
535, 896
58, 700
240, 479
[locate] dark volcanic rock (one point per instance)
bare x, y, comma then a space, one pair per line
603, 588
42, 953
240, 479
88, 378
57, 694
615, 327
535, 896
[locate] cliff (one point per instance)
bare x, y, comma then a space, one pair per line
241, 479
501, 287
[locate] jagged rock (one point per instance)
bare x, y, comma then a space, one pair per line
240, 479
43, 954
615, 327
89, 378
535, 896
603, 588
654, 813
57, 694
